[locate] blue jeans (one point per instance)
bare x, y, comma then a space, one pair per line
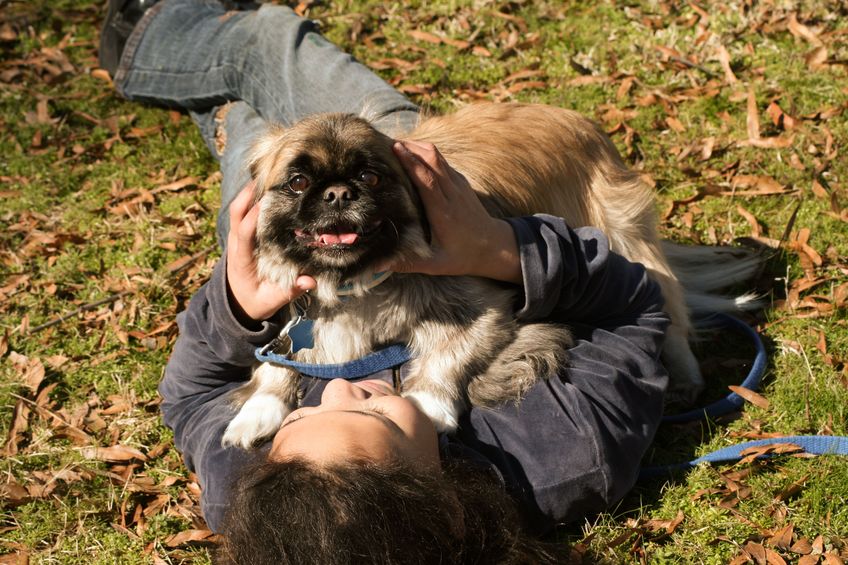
196, 55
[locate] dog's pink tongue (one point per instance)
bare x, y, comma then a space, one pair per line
337, 238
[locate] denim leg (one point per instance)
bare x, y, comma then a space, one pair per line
241, 125
194, 54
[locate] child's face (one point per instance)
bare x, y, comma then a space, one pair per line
355, 420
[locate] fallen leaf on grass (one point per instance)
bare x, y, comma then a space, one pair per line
13, 494
187, 536
752, 453
762, 185
177, 185
817, 58
752, 221
31, 371
20, 423
802, 547
791, 489
751, 396
724, 60
114, 453
780, 118
799, 30
782, 538
16, 558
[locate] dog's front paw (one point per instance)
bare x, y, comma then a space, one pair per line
444, 413
260, 417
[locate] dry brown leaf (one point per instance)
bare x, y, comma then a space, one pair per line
798, 29
808, 560
756, 551
763, 184
20, 423
774, 558
425, 36
740, 559
840, 295
751, 396
752, 453
20, 557
780, 118
724, 59
114, 453
519, 86
186, 537
176, 185
675, 124
777, 142
624, 87
751, 219
817, 58
782, 538
588, 79
831, 558
819, 191
802, 547
753, 119
14, 494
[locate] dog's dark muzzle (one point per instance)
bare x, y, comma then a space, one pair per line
339, 196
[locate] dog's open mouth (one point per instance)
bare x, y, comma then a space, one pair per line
336, 236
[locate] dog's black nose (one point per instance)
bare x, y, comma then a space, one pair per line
339, 196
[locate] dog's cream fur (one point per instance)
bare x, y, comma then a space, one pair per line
521, 159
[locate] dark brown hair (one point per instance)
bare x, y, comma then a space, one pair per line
295, 512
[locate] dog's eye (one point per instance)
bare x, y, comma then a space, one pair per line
298, 184
369, 178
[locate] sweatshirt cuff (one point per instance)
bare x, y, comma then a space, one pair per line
227, 322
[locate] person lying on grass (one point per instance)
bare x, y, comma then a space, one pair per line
358, 474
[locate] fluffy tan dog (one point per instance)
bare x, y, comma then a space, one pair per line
334, 202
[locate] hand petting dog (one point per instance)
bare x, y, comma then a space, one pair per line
466, 240
252, 297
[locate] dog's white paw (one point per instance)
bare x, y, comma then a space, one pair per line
444, 413
260, 417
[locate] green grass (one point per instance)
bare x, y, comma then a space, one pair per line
63, 246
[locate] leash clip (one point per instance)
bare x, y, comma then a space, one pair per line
297, 331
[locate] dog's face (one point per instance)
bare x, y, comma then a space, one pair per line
334, 200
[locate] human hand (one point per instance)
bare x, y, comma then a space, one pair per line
252, 298
466, 240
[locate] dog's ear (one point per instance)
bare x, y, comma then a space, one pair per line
263, 157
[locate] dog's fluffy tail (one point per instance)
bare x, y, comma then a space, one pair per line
704, 271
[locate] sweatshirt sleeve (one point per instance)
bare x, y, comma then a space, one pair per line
212, 356
573, 446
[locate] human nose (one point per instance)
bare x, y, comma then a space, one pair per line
341, 392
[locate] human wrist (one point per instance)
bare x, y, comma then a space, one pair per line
501, 260
246, 319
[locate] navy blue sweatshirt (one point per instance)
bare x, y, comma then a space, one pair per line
570, 449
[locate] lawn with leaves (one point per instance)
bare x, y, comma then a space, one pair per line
734, 112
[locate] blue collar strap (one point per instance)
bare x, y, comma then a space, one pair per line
382, 359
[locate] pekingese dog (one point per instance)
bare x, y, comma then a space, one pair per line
335, 202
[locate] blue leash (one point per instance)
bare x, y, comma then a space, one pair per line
816, 445
732, 401
385, 358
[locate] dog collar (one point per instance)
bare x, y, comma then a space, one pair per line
346, 288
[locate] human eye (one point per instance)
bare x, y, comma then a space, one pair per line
378, 410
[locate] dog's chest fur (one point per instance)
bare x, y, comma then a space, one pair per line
411, 309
